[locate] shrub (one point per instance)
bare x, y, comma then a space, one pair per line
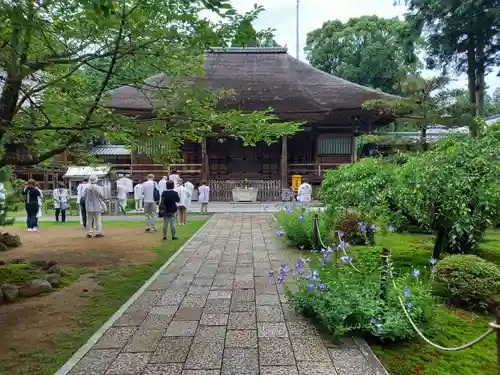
349, 225
344, 300
452, 189
468, 280
297, 224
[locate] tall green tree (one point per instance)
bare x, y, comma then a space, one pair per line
463, 35
49, 103
371, 51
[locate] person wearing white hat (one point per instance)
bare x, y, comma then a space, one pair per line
94, 202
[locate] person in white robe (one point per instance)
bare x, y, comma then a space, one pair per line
304, 192
138, 196
82, 212
184, 197
174, 177
121, 195
162, 184
204, 197
190, 188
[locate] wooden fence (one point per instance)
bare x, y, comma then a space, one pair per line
268, 190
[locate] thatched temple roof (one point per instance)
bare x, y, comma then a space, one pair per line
263, 78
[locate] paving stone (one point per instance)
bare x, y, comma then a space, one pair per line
270, 314
201, 372
350, 362
144, 340
181, 328
217, 306
155, 321
163, 369
171, 298
188, 313
240, 306
115, 338
164, 310
95, 362
131, 320
268, 299
204, 282
194, 301
316, 368
129, 364
172, 349
219, 294
310, 348
302, 328
242, 320
245, 338
202, 290
291, 314
244, 295
240, 362
210, 335
275, 352
205, 355
214, 319
278, 370
272, 329
265, 289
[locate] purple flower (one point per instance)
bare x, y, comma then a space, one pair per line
406, 292
280, 233
341, 234
363, 228
310, 287
345, 259
374, 227
300, 263
376, 324
271, 273
341, 245
321, 286
433, 269
308, 260
281, 278
410, 304
390, 228
301, 218
432, 261
415, 272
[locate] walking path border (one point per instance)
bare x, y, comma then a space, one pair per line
80, 353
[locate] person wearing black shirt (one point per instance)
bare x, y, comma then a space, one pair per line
168, 209
32, 195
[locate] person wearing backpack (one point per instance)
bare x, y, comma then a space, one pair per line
168, 209
151, 195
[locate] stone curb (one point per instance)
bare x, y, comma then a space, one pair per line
80, 353
370, 356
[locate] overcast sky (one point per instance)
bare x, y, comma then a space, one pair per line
280, 15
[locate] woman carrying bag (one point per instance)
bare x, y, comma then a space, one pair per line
61, 196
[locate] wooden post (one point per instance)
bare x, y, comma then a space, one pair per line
204, 160
384, 273
284, 162
316, 232
354, 150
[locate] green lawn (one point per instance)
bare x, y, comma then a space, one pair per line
117, 286
452, 326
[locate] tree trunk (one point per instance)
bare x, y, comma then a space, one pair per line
471, 82
480, 73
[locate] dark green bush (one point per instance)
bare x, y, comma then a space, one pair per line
349, 225
467, 280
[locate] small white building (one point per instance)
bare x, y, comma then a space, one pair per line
75, 174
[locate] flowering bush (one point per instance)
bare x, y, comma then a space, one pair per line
344, 298
468, 280
296, 223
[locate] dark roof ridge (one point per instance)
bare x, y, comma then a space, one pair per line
257, 50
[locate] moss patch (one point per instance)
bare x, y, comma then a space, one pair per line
18, 274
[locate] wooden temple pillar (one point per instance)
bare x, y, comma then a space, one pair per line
284, 162
354, 150
204, 161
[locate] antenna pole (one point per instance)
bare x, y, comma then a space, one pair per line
297, 31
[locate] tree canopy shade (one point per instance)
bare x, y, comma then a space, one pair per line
371, 51
59, 57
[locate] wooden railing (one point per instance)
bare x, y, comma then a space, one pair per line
135, 169
311, 168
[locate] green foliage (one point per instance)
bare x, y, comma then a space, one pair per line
57, 74
359, 186
368, 50
467, 280
297, 223
452, 189
349, 301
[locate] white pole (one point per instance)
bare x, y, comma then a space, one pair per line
297, 32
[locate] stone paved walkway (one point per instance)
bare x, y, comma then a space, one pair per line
214, 311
